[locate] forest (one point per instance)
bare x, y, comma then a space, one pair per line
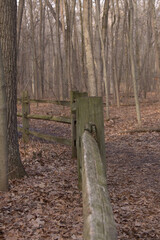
75, 76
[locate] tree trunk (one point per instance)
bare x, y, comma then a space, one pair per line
97, 50
152, 7
19, 20
8, 40
116, 55
102, 40
88, 48
83, 80
59, 54
42, 48
54, 84
34, 52
3, 131
133, 69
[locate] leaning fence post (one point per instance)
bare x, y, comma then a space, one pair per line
74, 96
25, 112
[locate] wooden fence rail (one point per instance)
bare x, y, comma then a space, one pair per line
47, 118
63, 103
99, 223
48, 137
26, 116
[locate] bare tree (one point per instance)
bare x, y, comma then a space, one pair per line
88, 48
8, 9
69, 51
35, 80
19, 20
133, 69
102, 41
42, 47
3, 131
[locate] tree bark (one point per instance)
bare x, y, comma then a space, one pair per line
19, 20
133, 69
54, 84
59, 54
97, 50
41, 47
8, 9
35, 80
102, 40
152, 7
3, 131
83, 59
88, 48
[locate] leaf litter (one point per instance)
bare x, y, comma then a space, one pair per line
48, 204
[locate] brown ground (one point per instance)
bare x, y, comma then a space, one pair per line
48, 205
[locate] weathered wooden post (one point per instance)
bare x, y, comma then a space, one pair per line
97, 211
73, 122
74, 96
25, 112
89, 110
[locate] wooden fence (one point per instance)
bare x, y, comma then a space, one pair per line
99, 223
88, 146
26, 116
97, 212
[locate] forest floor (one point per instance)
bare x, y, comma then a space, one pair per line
48, 205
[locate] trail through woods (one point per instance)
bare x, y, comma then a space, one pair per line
48, 205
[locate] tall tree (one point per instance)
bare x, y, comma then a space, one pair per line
59, 53
8, 10
133, 67
88, 48
19, 20
3, 131
42, 47
34, 53
83, 82
152, 6
103, 37
102, 41
97, 49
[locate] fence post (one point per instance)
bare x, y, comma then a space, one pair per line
89, 110
73, 123
25, 112
73, 97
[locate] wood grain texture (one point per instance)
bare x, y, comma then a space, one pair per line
89, 110
99, 223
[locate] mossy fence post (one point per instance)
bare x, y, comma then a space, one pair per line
73, 98
89, 110
25, 112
